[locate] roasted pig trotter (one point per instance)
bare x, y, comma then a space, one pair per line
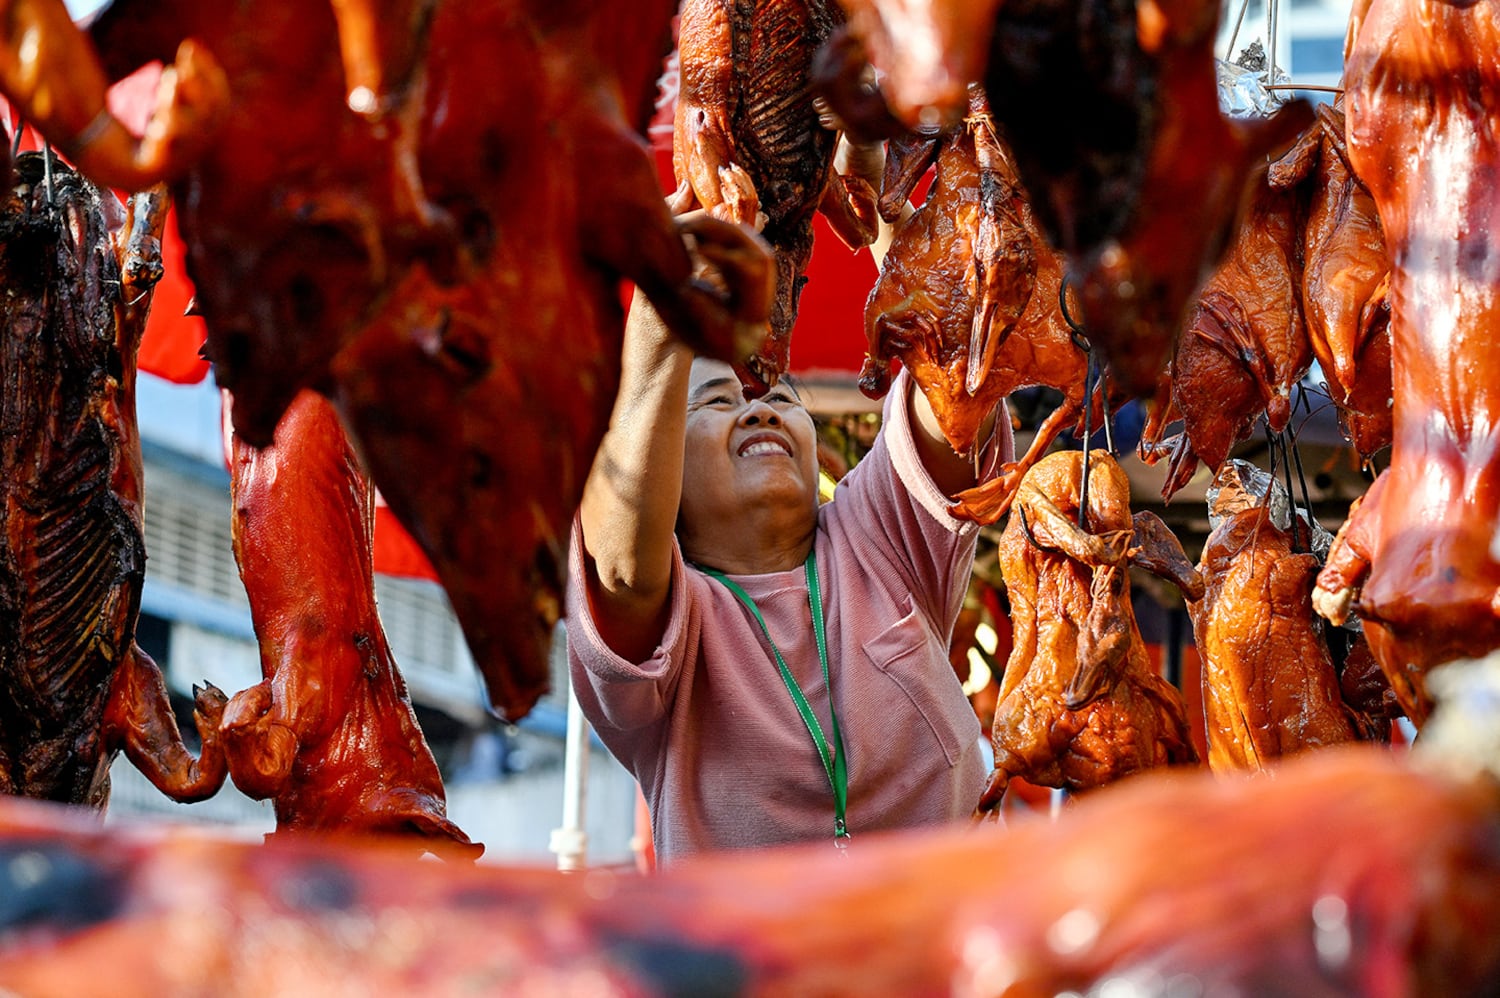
78, 272
330, 735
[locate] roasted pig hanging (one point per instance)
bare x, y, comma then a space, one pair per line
1080, 705
453, 286
748, 146
1417, 560
1346, 274
329, 736
75, 688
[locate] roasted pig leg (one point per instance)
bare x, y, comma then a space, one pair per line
475, 371
329, 735
748, 145
75, 690
1417, 559
1080, 705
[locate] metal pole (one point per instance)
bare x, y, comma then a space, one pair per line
570, 842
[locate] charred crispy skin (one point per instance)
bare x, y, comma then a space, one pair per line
1080, 705
748, 146
329, 735
1345, 280
1269, 684
474, 365
1149, 881
1245, 345
1423, 92
75, 689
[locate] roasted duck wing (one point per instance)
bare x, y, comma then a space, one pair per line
1152, 881
1245, 345
747, 144
1345, 280
474, 365
1423, 91
1269, 684
329, 735
75, 689
1080, 705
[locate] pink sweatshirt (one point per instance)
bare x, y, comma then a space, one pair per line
712, 734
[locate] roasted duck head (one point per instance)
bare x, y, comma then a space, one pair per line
1080, 705
749, 147
1416, 559
473, 361
77, 272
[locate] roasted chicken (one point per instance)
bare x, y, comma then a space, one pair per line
1416, 559
329, 736
475, 363
75, 689
1080, 705
748, 146
1345, 280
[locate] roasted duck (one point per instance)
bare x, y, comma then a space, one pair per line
1269, 684
1152, 881
329, 736
1111, 109
1416, 558
1346, 275
1245, 345
75, 689
473, 364
1080, 705
747, 144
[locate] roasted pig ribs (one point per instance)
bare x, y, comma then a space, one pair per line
75, 688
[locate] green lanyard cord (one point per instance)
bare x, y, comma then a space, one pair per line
834, 763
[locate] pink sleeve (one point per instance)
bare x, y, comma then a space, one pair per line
888, 507
620, 697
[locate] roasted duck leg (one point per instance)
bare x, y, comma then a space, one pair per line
329, 735
1080, 705
75, 690
748, 145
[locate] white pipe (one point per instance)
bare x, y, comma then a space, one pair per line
570, 842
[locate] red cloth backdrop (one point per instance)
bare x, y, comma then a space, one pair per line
830, 337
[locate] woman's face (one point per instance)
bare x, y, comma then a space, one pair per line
743, 453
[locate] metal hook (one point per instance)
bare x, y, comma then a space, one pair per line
1075, 331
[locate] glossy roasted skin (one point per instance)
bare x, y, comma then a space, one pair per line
1147, 881
1269, 684
473, 363
75, 689
1345, 280
1080, 705
329, 736
1416, 558
748, 145
1245, 345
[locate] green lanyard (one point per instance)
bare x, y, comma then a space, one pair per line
834, 763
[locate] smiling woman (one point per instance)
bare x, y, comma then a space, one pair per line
770, 669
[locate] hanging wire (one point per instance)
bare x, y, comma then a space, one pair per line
1286, 462
1088, 412
1109, 425
47, 173
1297, 457
1272, 19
